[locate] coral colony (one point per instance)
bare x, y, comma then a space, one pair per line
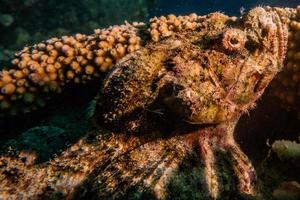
204, 70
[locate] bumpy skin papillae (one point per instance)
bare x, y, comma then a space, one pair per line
208, 71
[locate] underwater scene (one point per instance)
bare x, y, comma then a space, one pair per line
150, 99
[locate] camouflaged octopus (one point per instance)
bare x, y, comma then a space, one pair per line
205, 76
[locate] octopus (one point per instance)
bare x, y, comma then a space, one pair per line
192, 76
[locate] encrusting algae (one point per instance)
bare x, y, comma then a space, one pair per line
203, 72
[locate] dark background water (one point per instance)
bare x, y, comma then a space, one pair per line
202, 7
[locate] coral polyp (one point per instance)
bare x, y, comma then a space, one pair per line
162, 27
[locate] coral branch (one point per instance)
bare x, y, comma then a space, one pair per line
49, 66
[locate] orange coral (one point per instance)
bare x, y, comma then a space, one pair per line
50, 65
165, 26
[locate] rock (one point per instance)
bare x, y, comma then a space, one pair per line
289, 190
287, 150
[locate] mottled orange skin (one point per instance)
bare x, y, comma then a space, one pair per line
210, 76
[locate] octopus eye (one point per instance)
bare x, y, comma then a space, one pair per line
234, 39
